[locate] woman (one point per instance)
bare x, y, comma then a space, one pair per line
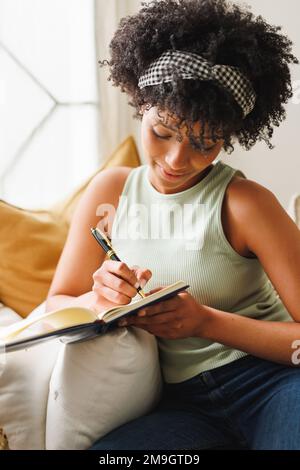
202, 75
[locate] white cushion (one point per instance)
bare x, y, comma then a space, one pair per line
8, 316
100, 384
24, 388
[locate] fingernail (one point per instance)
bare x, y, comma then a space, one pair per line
143, 282
137, 285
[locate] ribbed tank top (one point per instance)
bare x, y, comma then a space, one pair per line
145, 233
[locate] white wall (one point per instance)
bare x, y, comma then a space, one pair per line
277, 169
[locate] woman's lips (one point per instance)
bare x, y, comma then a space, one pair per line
169, 176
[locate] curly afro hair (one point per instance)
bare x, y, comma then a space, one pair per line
223, 33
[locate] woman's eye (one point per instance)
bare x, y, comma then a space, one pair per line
167, 137
164, 137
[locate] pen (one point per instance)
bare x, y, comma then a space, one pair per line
105, 243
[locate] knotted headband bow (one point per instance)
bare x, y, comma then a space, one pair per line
193, 66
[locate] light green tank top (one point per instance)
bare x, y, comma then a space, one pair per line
180, 236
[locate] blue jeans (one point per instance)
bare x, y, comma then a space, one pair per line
250, 403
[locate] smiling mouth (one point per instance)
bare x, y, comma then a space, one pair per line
174, 175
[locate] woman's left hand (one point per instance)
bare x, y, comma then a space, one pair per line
179, 317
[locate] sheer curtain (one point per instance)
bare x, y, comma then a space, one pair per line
116, 115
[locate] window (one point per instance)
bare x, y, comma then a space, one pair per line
49, 108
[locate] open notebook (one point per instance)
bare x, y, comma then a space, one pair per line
76, 323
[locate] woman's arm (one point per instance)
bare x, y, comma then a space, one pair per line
82, 256
275, 239
274, 341
87, 300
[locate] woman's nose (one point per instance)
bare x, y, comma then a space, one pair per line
177, 159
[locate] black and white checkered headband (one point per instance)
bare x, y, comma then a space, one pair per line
193, 66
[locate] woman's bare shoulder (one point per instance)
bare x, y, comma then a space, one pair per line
240, 189
113, 179
117, 174
241, 193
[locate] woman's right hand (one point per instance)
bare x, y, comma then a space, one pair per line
117, 283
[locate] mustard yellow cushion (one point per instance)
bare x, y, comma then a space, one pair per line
30, 246
31, 241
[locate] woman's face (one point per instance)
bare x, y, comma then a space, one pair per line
165, 154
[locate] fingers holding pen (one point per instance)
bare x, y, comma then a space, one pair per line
115, 275
142, 275
115, 281
134, 275
113, 292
